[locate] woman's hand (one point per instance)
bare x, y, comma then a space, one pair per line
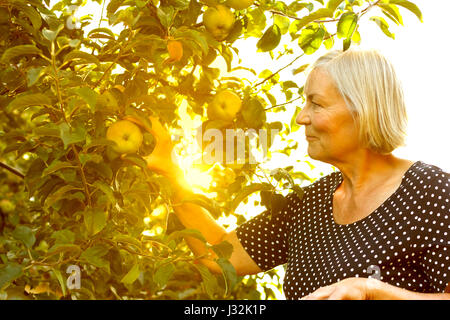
347, 289
370, 289
161, 160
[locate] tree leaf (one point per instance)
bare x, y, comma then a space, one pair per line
253, 113
21, 50
34, 74
316, 15
24, 234
298, 191
277, 203
61, 248
163, 274
135, 160
223, 249
333, 4
410, 6
300, 69
64, 236
101, 33
22, 102
193, 233
61, 281
209, 281
112, 7
229, 274
48, 129
33, 15
286, 85
95, 220
165, 15
80, 57
347, 25
311, 39
93, 255
204, 202
132, 275
106, 189
271, 97
346, 44
88, 95
9, 272
392, 12
55, 166
383, 25
270, 39
59, 194
283, 23
194, 35
246, 191
70, 135
127, 239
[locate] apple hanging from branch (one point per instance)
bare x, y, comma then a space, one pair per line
127, 136
218, 21
224, 106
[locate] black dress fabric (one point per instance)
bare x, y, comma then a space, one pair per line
404, 242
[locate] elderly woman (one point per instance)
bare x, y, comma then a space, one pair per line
378, 228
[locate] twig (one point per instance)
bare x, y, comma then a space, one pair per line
83, 177
282, 104
279, 70
12, 170
56, 78
101, 14
119, 55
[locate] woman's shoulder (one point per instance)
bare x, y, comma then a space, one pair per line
428, 181
427, 175
321, 186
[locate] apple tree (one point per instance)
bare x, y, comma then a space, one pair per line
75, 204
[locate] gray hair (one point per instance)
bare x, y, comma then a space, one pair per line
373, 93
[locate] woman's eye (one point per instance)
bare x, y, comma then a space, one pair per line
315, 104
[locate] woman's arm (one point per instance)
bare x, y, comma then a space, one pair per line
193, 216
370, 289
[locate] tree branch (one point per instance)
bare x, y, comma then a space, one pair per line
279, 70
12, 170
282, 104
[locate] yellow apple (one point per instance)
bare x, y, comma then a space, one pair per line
218, 21
225, 105
127, 136
239, 4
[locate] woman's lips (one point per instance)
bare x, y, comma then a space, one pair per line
311, 138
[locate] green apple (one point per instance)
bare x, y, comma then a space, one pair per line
225, 105
218, 21
127, 136
239, 4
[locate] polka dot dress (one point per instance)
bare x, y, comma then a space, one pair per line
404, 242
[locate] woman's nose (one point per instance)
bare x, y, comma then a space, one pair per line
303, 117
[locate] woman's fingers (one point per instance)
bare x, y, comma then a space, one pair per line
158, 130
347, 289
321, 293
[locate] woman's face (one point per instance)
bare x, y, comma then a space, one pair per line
329, 127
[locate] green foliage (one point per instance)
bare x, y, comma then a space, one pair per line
79, 203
